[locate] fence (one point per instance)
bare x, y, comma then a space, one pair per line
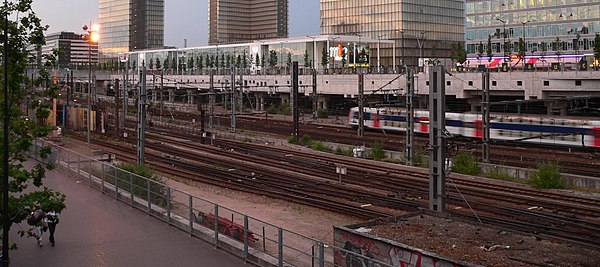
250, 238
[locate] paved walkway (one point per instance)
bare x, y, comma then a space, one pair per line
96, 230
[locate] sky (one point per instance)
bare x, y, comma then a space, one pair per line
184, 19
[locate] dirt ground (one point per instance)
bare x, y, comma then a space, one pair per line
479, 244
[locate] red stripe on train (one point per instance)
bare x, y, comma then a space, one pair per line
424, 124
478, 129
596, 136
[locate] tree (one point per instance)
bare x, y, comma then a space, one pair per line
238, 61
251, 59
157, 63
222, 61
488, 49
272, 58
257, 59
324, 57
26, 191
174, 64
215, 61
262, 61
596, 50
134, 65
576, 44
191, 63
557, 47
209, 61
166, 64
458, 53
288, 62
200, 63
344, 54
245, 60
151, 64
521, 48
306, 60
228, 61
480, 51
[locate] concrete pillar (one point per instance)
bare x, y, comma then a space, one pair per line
171, 96
154, 94
190, 96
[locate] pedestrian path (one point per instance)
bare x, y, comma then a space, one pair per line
97, 230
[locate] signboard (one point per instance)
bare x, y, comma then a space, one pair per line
529, 67
505, 67
337, 52
123, 57
583, 65
555, 66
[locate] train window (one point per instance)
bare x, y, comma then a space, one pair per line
448, 83
494, 83
372, 82
470, 83
427, 83
519, 83
326, 82
577, 82
546, 83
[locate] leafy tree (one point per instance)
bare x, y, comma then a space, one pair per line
596, 50
458, 53
257, 59
157, 63
507, 47
238, 61
222, 61
262, 61
480, 50
288, 62
245, 60
488, 50
174, 63
200, 63
215, 61
544, 49
151, 64
209, 61
557, 47
324, 57
228, 61
166, 63
134, 65
272, 58
521, 48
26, 191
306, 60
191, 63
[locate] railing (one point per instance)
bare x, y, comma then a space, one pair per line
250, 238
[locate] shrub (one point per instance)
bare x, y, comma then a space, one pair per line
306, 140
293, 140
343, 151
320, 146
547, 176
465, 163
285, 109
377, 152
143, 178
322, 113
420, 159
272, 110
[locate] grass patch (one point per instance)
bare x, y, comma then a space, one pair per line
547, 176
343, 151
320, 146
377, 152
465, 163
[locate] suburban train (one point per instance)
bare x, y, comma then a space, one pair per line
544, 130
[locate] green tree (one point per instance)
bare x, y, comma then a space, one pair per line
209, 61
488, 49
596, 50
191, 63
272, 58
257, 59
157, 63
324, 57
228, 61
262, 61
557, 47
251, 60
480, 51
151, 64
458, 53
200, 63
166, 63
174, 64
222, 62
306, 60
288, 62
26, 191
215, 61
245, 60
465, 163
238, 61
521, 48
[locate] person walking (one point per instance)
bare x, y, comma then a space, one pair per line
41, 227
51, 220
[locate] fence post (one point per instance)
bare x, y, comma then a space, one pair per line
116, 176
131, 187
280, 246
78, 166
246, 229
102, 179
68, 163
216, 222
191, 206
149, 195
58, 159
89, 172
321, 254
169, 205
117, 187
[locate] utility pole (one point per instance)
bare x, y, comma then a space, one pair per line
233, 99
295, 113
361, 112
125, 96
485, 114
437, 133
141, 117
241, 90
162, 92
410, 121
117, 98
314, 94
211, 111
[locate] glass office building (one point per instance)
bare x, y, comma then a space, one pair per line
420, 28
128, 25
236, 21
546, 26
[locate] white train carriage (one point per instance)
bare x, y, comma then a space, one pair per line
530, 129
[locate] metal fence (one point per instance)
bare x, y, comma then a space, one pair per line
252, 239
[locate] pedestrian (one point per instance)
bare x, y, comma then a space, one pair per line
51, 220
41, 227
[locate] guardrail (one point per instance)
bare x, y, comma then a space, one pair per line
252, 239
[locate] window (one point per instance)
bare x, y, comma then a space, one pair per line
494, 83
577, 82
470, 83
519, 83
448, 83
546, 83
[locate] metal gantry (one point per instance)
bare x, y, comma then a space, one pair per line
410, 121
437, 132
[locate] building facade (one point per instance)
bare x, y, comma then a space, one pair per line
74, 51
420, 28
129, 25
550, 27
237, 21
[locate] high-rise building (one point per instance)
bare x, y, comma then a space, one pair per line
74, 51
566, 27
236, 21
129, 25
420, 28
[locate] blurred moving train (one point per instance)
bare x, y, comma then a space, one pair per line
544, 130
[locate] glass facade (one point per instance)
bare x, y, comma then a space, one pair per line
235, 21
420, 28
127, 25
544, 25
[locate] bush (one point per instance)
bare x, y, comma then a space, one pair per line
293, 140
420, 159
547, 176
272, 110
343, 151
377, 152
465, 163
322, 113
285, 109
320, 146
306, 140
139, 183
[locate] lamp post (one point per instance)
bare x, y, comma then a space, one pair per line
378, 56
503, 36
421, 42
314, 62
92, 37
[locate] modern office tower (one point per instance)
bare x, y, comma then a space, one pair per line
421, 29
550, 27
236, 21
130, 25
74, 51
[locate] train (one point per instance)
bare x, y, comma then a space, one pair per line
542, 130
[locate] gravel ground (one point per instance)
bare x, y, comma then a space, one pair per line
483, 245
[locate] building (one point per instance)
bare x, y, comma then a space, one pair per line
419, 28
74, 51
237, 21
561, 28
129, 25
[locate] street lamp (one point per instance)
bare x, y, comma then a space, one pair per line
378, 57
314, 51
503, 36
92, 37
